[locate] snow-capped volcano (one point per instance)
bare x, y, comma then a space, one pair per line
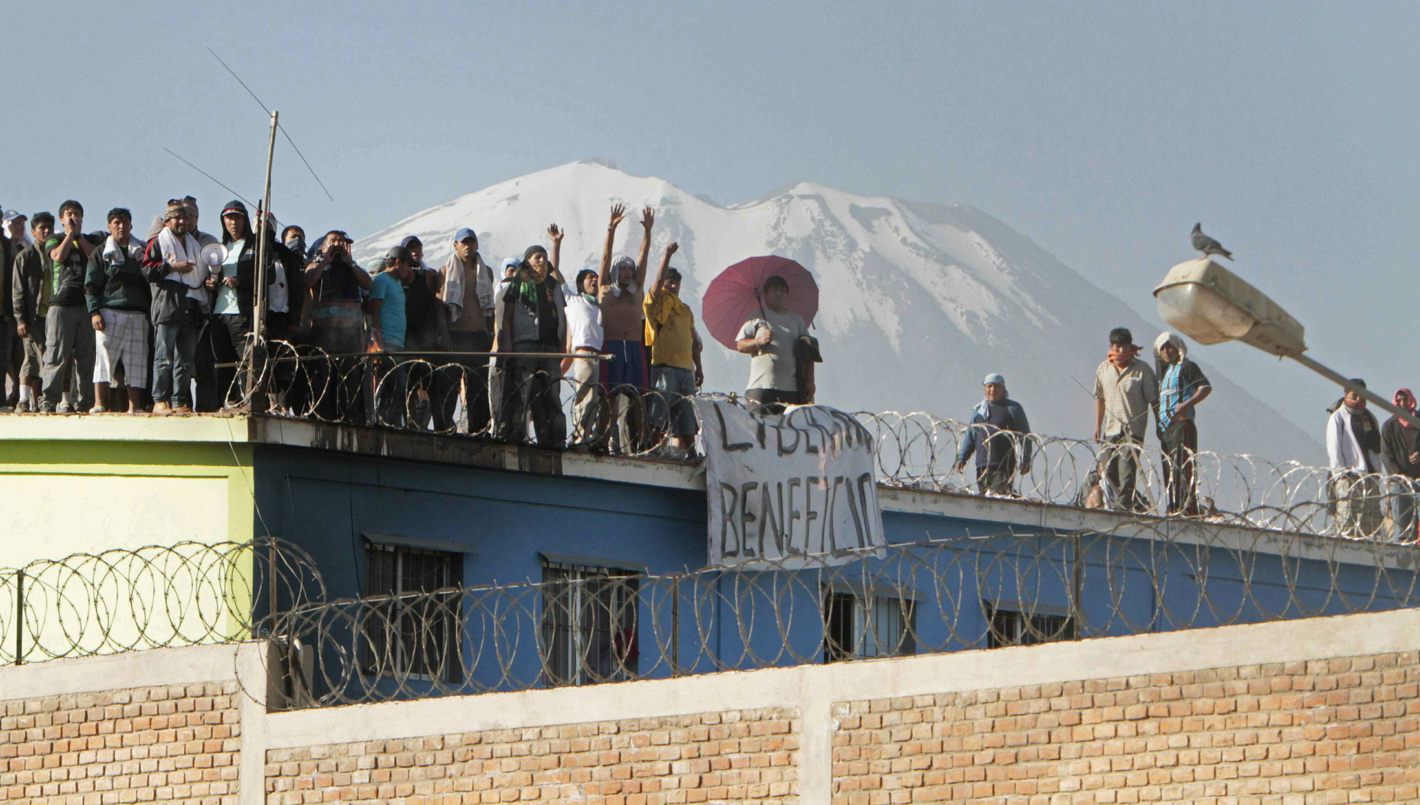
918, 301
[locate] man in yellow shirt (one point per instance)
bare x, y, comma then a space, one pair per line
676, 373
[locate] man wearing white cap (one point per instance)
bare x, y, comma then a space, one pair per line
997, 428
1182, 386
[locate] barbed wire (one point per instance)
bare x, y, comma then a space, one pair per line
155, 596
584, 625
914, 450
919, 450
1017, 586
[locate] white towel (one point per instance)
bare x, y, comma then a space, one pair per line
177, 250
451, 291
455, 272
111, 247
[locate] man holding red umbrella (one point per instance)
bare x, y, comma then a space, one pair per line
772, 339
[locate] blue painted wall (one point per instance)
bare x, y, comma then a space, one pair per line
506, 522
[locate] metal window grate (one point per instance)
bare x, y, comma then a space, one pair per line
858, 626
410, 628
1009, 627
588, 629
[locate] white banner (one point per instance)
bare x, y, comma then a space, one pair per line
781, 488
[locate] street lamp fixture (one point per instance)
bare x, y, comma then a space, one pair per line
1211, 304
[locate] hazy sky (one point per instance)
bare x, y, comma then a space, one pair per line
1101, 130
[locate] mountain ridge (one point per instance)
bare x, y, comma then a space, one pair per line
918, 299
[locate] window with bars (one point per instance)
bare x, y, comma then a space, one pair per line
1012, 627
588, 629
859, 625
412, 626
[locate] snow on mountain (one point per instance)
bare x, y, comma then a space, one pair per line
918, 301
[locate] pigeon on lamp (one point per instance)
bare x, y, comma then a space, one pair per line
1207, 245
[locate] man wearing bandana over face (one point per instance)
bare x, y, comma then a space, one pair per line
1400, 450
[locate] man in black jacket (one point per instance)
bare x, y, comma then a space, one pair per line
30, 303
1400, 450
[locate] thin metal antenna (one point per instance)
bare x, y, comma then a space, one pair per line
284, 133
210, 176
240, 81
307, 164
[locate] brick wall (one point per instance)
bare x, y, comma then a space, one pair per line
737, 756
1320, 731
175, 743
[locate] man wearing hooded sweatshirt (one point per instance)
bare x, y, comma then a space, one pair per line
232, 286
68, 332
529, 318
466, 289
1400, 450
1353, 445
1182, 386
998, 424
118, 299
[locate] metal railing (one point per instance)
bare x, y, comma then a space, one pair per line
460, 395
1010, 588
155, 596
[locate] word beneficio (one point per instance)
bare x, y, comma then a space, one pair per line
787, 486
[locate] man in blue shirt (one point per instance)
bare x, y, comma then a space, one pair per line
997, 428
388, 324
1182, 386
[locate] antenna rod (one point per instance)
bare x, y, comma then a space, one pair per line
264, 108
262, 231
210, 176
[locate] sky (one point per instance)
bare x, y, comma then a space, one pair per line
1103, 131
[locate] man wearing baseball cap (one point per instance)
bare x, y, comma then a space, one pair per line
997, 427
1125, 391
466, 291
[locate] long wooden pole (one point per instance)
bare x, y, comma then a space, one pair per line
262, 230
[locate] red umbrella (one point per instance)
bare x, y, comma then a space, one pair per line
733, 297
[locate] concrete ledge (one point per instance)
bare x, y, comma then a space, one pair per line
812, 691
121, 427
135, 669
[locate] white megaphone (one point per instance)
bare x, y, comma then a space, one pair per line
213, 254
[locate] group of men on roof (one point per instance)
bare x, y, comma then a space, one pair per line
109, 321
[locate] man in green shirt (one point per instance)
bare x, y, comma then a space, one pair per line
68, 330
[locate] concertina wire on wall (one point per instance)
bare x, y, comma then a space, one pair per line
1012, 586
454, 395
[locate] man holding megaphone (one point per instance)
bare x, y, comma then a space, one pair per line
178, 311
